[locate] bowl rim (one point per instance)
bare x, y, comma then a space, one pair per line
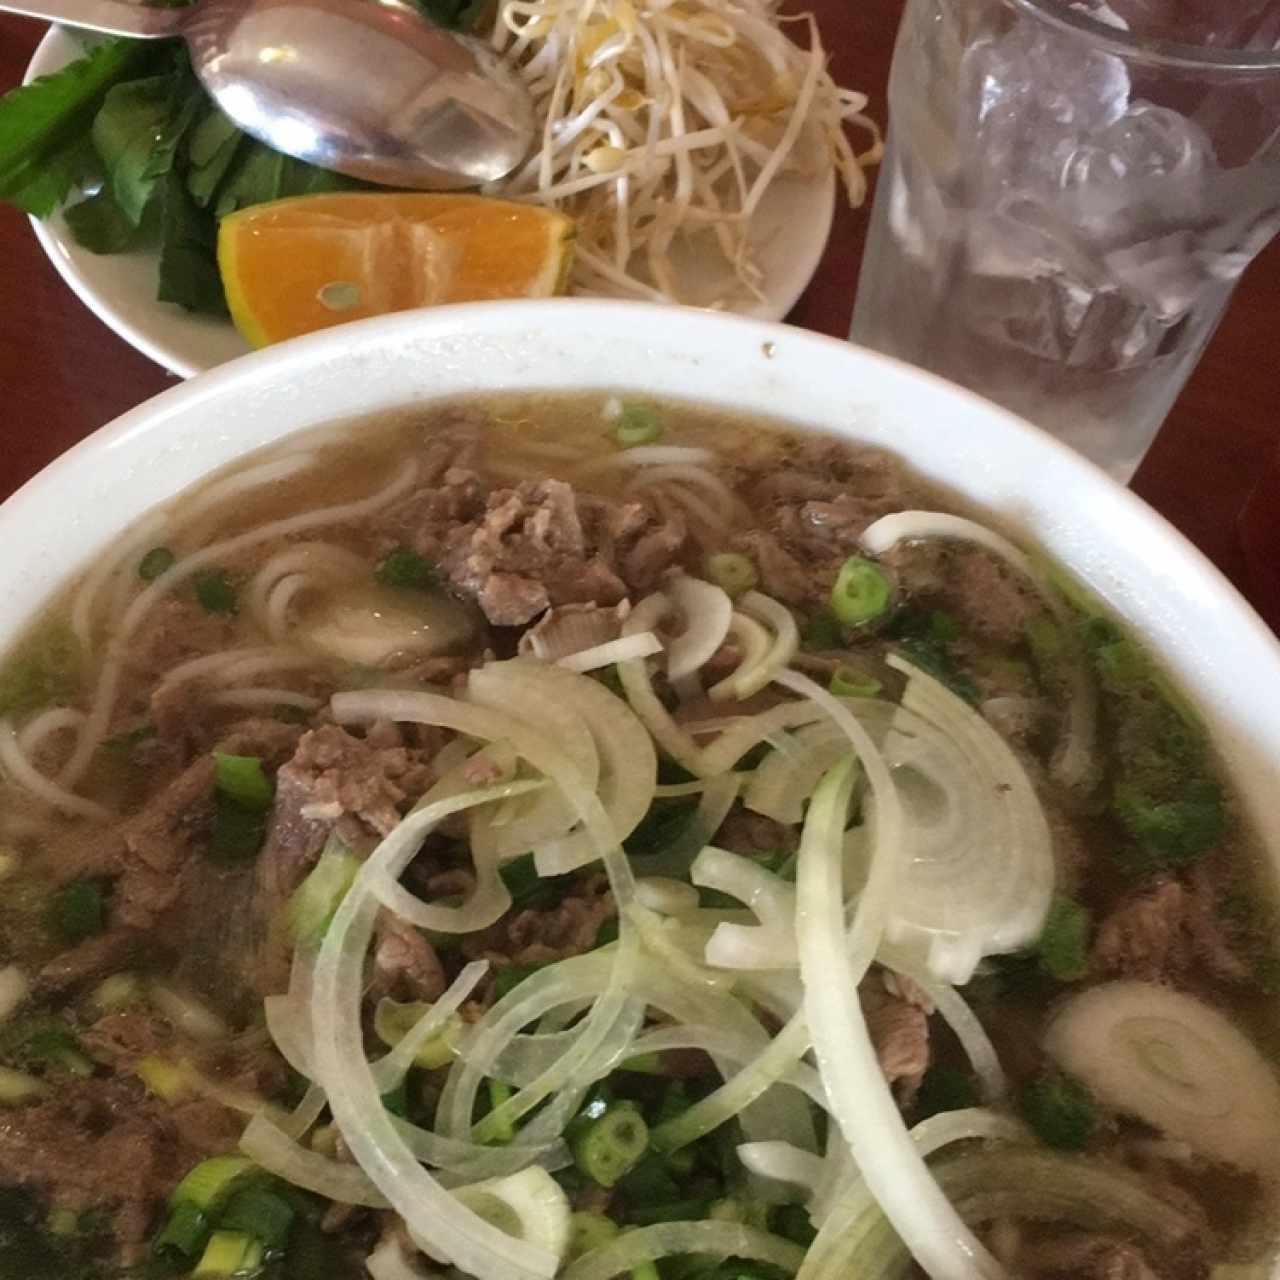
1144, 568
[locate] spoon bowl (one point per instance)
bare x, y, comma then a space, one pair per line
367, 88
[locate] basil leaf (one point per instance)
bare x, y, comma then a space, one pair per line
188, 253
45, 126
100, 225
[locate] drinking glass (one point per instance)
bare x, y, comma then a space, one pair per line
1069, 195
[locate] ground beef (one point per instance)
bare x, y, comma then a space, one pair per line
1165, 934
755, 835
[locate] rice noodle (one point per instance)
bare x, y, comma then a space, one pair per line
127, 551
104, 695
25, 775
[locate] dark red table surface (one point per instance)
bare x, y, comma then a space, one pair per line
62, 373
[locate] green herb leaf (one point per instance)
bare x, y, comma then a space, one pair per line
100, 225
212, 146
188, 253
137, 132
45, 126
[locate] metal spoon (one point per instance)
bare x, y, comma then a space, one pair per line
368, 88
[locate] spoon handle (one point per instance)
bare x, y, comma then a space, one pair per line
110, 17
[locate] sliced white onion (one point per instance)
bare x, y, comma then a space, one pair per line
781, 1162
755, 643
783, 781
646, 1244
783, 646
391, 1261
14, 988
706, 610
430, 1213
644, 644
267, 1145
983, 885
861, 1101
529, 1205
964, 1023
1176, 1063
769, 945
389, 1070
189, 1017
662, 894
718, 795
1075, 759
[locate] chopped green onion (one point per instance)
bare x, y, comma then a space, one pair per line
848, 682
690, 1209
393, 1021
1176, 831
861, 593
63, 1222
732, 573
76, 911
18, 1088
157, 561
822, 631
792, 1222
185, 1233
1061, 1110
637, 424
404, 567
645, 1271
56, 1046
1044, 639
312, 904
229, 1253
510, 976
211, 1182
500, 1134
589, 1231
215, 593
242, 778
237, 832
1063, 945
945, 1088
170, 1081
259, 1213
612, 1144
397, 1100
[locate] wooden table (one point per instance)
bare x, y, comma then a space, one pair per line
62, 373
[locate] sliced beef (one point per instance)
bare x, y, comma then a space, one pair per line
94, 958
1165, 934
120, 1039
153, 846
570, 629
520, 550
812, 507
1083, 1257
103, 1144
538, 935
754, 835
405, 964
900, 1032
335, 781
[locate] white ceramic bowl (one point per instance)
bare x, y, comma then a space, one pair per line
1153, 577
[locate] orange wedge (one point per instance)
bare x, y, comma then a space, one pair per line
304, 263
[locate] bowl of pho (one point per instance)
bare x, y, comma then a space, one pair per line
589, 791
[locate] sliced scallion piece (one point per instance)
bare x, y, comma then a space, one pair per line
211, 1182
76, 912
313, 902
184, 1234
732, 572
229, 1253
848, 682
243, 780
157, 561
260, 1213
611, 1144
637, 424
215, 593
861, 593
